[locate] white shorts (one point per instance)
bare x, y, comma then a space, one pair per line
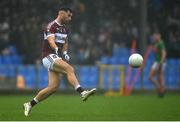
49, 60
156, 65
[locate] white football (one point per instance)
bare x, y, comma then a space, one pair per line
135, 60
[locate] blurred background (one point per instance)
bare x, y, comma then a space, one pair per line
102, 32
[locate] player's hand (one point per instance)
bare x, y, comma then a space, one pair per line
56, 50
66, 56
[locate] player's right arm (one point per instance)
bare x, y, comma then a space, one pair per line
50, 36
51, 41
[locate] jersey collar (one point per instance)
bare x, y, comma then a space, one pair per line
58, 23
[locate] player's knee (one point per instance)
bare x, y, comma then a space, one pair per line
70, 69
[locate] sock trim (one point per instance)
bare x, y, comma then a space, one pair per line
35, 99
76, 87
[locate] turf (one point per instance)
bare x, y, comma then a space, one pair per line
99, 107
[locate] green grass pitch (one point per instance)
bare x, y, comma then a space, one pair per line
98, 107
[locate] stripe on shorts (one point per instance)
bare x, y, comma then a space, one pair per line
50, 59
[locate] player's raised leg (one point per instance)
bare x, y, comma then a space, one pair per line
62, 66
53, 85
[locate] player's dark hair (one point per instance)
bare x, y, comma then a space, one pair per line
66, 9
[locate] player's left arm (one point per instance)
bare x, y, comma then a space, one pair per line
163, 56
163, 53
65, 50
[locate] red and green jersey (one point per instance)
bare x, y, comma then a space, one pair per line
158, 48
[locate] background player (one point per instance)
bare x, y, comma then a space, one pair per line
158, 65
55, 48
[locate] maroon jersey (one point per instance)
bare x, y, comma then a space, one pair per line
60, 32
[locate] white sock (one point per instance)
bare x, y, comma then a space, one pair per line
35, 99
76, 87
